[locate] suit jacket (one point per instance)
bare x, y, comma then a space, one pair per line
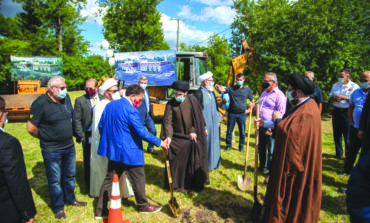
143, 109
122, 131
83, 115
365, 122
16, 201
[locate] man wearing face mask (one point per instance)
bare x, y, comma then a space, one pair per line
317, 96
237, 109
16, 201
271, 100
356, 105
341, 94
122, 132
51, 121
84, 108
144, 110
99, 164
212, 117
183, 125
293, 192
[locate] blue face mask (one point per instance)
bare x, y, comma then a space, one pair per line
240, 83
290, 97
62, 93
365, 85
180, 99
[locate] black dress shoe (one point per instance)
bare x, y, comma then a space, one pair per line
227, 149
342, 189
79, 204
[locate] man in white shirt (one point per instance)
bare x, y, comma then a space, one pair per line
341, 94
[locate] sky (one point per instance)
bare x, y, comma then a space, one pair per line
199, 20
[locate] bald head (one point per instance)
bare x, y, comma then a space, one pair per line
365, 80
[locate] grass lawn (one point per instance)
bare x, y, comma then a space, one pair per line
221, 201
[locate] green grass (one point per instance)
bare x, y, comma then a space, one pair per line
221, 201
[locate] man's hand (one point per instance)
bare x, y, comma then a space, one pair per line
360, 134
259, 122
276, 115
168, 141
164, 144
206, 132
219, 88
247, 111
193, 136
29, 221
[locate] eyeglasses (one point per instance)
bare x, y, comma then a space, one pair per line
89, 88
268, 81
62, 88
112, 91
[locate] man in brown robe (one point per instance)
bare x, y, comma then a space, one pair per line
184, 126
294, 190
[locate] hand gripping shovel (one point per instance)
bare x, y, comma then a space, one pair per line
245, 181
257, 209
175, 208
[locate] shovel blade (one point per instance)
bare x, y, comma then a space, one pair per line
174, 206
243, 182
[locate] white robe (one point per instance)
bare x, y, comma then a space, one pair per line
99, 164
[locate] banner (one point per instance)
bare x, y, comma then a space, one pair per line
159, 67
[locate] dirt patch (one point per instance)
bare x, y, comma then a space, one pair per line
201, 214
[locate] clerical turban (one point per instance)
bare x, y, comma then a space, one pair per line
298, 81
180, 85
107, 84
205, 76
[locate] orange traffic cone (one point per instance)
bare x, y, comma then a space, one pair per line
115, 211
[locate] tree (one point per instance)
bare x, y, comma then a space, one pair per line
218, 50
133, 25
322, 36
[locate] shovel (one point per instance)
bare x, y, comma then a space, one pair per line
245, 181
174, 206
257, 209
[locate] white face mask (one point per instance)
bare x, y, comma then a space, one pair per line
341, 80
210, 87
116, 96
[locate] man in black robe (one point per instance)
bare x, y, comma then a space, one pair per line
183, 125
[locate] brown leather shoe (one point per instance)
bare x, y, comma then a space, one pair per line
60, 215
152, 152
151, 209
79, 204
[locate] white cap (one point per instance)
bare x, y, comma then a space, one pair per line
107, 84
205, 76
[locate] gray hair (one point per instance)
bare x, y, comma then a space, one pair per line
273, 76
312, 74
143, 78
53, 81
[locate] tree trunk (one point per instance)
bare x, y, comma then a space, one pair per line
60, 34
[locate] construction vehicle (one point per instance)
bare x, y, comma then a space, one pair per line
19, 105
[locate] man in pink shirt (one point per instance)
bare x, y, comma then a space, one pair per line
271, 100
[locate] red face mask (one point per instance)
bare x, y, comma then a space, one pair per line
89, 92
136, 103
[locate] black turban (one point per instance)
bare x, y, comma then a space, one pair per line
180, 85
298, 81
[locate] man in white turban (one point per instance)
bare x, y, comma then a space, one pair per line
207, 100
99, 164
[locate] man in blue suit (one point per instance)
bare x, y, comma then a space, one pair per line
122, 131
144, 110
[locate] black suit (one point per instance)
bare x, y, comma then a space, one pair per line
83, 120
16, 202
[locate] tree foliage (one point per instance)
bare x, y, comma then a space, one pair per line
322, 36
133, 25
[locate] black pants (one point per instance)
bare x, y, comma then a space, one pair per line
87, 155
136, 177
354, 146
340, 127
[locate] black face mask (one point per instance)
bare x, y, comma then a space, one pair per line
265, 85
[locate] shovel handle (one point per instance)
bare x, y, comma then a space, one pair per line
168, 173
248, 139
256, 150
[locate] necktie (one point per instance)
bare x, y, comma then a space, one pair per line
95, 101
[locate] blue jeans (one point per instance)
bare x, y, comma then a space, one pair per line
60, 166
240, 120
265, 142
149, 124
